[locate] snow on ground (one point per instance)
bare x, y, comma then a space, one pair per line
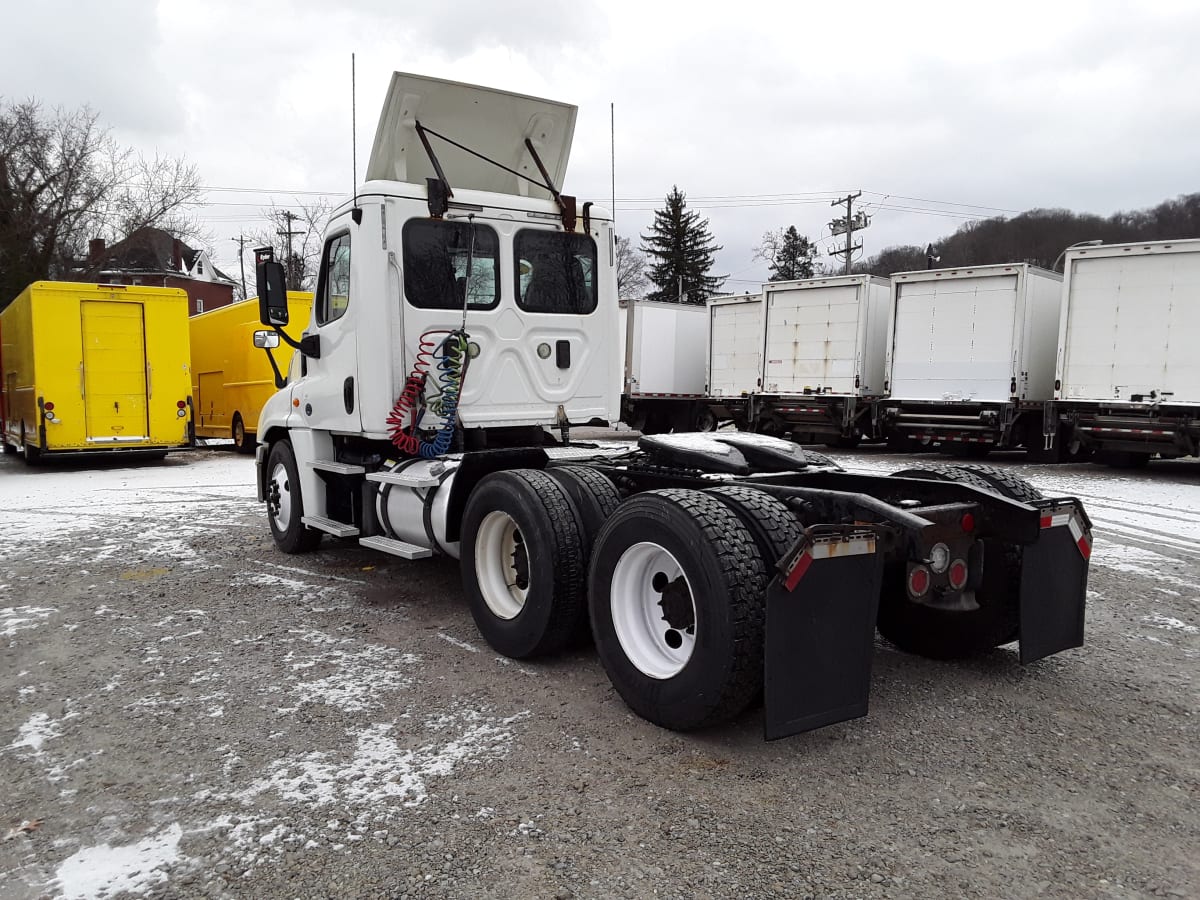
96, 873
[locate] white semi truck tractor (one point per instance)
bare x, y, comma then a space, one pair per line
465, 320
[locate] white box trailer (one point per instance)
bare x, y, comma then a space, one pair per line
1128, 375
970, 357
825, 348
735, 355
664, 346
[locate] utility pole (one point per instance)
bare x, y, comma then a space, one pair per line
240, 240
848, 226
288, 216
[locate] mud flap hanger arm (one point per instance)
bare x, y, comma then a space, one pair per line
440, 191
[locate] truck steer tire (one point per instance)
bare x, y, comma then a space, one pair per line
955, 634
240, 442
285, 506
772, 525
1004, 483
522, 563
676, 595
8, 448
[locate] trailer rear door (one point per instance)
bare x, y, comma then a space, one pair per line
1132, 322
735, 348
955, 339
812, 339
114, 371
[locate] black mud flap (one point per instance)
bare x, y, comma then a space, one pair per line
1054, 574
820, 630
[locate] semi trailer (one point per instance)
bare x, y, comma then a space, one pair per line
95, 368
1127, 383
970, 358
663, 346
823, 358
465, 320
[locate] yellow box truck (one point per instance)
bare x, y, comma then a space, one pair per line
231, 378
95, 367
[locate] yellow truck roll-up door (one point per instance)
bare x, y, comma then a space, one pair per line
114, 371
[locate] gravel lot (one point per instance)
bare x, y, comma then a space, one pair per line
189, 713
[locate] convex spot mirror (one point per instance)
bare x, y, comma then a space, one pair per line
272, 293
266, 340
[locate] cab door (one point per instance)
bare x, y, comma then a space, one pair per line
329, 391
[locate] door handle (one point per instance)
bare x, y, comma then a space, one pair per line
562, 354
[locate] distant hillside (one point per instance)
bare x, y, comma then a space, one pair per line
1040, 235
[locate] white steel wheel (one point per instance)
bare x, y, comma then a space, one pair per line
279, 497
501, 565
653, 610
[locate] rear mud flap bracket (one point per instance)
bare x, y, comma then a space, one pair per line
1054, 573
820, 630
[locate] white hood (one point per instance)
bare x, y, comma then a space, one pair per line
490, 122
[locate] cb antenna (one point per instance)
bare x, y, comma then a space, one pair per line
355, 213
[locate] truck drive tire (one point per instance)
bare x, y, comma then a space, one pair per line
522, 563
676, 595
240, 442
955, 634
1003, 482
772, 525
285, 506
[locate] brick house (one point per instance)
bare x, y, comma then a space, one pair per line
152, 257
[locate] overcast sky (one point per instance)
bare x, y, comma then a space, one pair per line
760, 112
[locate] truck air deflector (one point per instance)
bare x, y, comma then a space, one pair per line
1054, 573
820, 630
493, 124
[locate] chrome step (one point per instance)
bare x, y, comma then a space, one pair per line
403, 549
339, 468
330, 526
404, 479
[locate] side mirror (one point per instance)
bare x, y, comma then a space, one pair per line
271, 281
266, 340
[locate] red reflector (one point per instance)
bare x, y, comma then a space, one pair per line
182, 404
918, 581
967, 522
957, 574
49, 407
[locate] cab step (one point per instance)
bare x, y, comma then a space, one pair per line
330, 526
404, 479
338, 468
403, 549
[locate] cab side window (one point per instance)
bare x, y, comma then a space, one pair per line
333, 286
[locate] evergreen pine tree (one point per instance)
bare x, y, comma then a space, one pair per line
680, 246
790, 254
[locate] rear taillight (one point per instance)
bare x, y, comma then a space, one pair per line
182, 404
967, 522
918, 581
957, 574
48, 406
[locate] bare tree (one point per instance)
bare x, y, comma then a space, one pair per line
63, 180
631, 270
55, 171
300, 251
157, 192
